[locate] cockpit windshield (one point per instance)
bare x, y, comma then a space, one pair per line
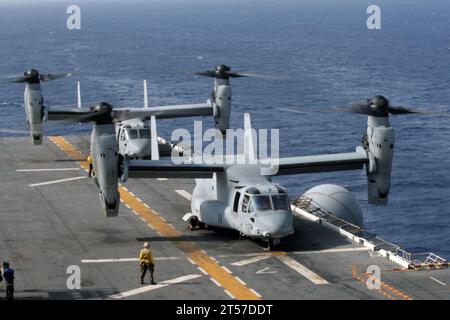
144, 134
132, 133
138, 133
260, 203
281, 202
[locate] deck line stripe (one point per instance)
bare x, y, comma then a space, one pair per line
125, 260
304, 271
184, 194
257, 254
43, 170
250, 261
438, 281
154, 287
401, 295
55, 181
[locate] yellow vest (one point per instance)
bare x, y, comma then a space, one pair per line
89, 159
145, 256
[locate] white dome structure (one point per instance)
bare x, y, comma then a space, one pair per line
338, 201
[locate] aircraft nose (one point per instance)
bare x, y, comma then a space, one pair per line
139, 148
277, 224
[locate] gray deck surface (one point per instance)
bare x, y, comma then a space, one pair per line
44, 229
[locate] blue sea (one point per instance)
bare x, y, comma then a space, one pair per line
322, 49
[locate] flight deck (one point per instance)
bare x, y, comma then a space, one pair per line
51, 220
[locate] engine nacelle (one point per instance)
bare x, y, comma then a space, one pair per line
35, 111
380, 145
106, 166
222, 106
110, 203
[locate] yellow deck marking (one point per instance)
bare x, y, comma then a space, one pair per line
384, 285
201, 259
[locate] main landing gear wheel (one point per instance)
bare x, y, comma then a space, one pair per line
194, 223
270, 244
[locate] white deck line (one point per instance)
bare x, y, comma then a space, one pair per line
304, 271
125, 260
154, 287
250, 261
44, 170
55, 181
184, 194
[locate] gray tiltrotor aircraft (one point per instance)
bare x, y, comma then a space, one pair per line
133, 135
240, 196
33, 100
243, 197
108, 165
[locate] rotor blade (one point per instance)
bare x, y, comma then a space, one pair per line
358, 108
292, 110
235, 74
312, 110
48, 77
260, 76
70, 115
84, 105
209, 73
401, 110
19, 79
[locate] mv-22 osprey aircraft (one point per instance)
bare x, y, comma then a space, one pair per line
236, 196
134, 135
243, 197
108, 165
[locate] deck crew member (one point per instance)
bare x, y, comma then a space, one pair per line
91, 168
8, 275
147, 263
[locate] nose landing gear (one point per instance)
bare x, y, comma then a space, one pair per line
271, 243
195, 224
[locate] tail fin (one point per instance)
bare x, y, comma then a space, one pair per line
154, 139
249, 147
78, 95
146, 105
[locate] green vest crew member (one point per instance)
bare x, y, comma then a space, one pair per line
147, 263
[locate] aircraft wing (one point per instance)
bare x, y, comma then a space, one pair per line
323, 163
167, 169
75, 114
165, 112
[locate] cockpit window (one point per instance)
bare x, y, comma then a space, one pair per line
245, 204
260, 203
144, 134
280, 202
132, 133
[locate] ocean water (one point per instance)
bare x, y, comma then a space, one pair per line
323, 49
